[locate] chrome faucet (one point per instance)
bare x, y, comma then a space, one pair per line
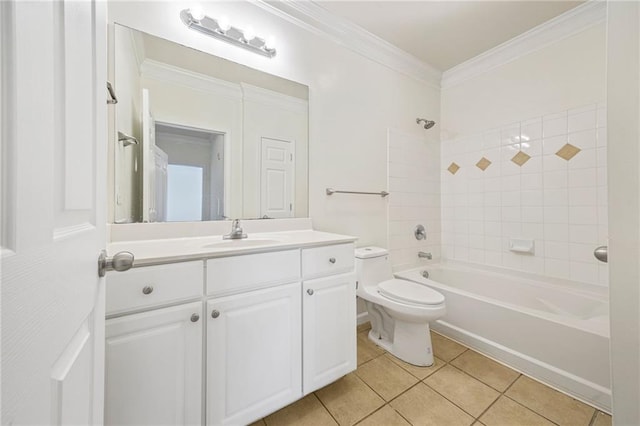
236, 231
424, 255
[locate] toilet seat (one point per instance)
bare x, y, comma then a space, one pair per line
405, 291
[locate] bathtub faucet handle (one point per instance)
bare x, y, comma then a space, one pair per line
423, 255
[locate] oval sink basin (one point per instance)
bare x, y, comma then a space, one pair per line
248, 242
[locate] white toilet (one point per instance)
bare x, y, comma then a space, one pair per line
399, 310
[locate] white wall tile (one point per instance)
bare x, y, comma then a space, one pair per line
583, 178
582, 120
586, 158
556, 214
585, 234
532, 214
583, 215
554, 124
584, 272
602, 117
476, 256
560, 204
557, 268
531, 129
555, 179
556, 196
556, 250
552, 162
551, 144
533, 231
510, 134
582, 253
531, 198
583, 197
583, 140
493, 258
531, 181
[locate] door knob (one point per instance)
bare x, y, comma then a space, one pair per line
121, 261
215, 314
602, 253
310, 292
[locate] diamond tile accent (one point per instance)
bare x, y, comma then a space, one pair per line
483, 163
520, 158
568, 151
453, 168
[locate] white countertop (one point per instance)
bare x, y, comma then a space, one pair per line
158, 251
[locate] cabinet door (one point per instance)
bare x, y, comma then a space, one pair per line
329, 335
154, 367
254, 354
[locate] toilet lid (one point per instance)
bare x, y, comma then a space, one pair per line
410, 292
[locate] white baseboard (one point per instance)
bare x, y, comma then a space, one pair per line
362, 317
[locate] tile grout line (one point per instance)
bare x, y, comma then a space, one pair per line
530, 409
325, 407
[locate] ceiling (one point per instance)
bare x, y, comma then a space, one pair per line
447, 33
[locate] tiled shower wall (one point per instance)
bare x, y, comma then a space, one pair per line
543, 179
414, 184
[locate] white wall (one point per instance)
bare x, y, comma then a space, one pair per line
352, 102
536, 104
276, 116
182, 105
126, 80
414, 183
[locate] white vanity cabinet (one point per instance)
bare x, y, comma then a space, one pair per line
154, 367
230, 338
329, 315
254, 362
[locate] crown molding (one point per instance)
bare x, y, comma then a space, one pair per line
314, 18
569, 23
192, 80
273, 99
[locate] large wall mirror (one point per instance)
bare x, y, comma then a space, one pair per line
203, 138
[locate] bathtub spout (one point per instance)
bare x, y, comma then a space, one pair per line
424, 255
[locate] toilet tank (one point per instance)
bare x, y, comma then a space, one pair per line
372, 266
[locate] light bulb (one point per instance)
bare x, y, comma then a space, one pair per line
197, 13
270, 43
249, 34
223, 23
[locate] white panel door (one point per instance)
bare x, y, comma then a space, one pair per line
148, 160
253, 354
277, 178
154, 367
329, 334
623, 157
53, 210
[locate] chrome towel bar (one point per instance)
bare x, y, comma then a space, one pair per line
331, 191
112, 95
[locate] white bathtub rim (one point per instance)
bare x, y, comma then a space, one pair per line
554, 377
598, 327
596, 291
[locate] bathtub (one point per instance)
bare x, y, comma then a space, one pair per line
555, 331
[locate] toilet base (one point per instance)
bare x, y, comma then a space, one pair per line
411, 343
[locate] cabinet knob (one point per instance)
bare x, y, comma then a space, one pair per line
195, 318
215, 314
332, 260
147, 289
310, 292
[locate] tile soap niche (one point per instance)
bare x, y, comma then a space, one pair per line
521, 245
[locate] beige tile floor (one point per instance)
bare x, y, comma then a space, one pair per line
463, 387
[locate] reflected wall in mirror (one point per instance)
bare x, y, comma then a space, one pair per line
216, 139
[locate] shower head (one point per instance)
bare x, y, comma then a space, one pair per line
427, 123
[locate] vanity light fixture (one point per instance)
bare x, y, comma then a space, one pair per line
221, 29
